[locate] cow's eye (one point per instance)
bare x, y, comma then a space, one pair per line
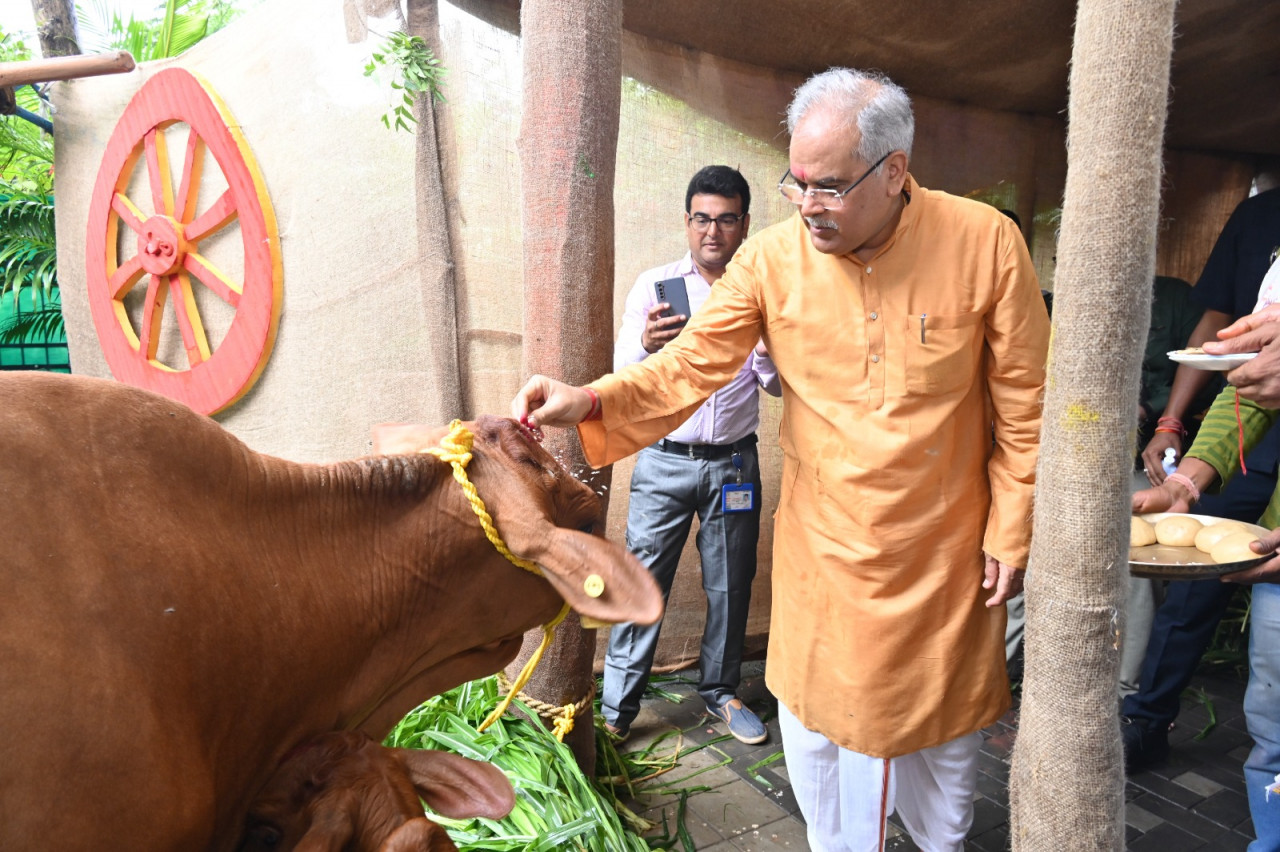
587, 528
265, 836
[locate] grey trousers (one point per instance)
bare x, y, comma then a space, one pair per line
667, 491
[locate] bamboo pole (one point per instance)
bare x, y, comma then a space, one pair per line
65, 68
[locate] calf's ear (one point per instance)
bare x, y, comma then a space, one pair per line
418, 835
597, 578
458, 787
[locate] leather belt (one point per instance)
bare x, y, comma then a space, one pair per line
706, 451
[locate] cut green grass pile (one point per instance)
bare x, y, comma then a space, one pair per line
557, 806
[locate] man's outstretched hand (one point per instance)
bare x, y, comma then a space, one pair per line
545, 402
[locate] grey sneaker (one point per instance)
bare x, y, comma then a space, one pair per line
742, 723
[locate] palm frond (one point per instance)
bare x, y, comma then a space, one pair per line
28, 249
43, 326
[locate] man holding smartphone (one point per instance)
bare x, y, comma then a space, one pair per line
706, 467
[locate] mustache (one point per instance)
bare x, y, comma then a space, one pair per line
819, 222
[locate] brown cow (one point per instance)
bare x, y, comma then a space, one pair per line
344, 791
180, 612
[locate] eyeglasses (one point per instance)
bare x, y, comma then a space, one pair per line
725, 221
830, 199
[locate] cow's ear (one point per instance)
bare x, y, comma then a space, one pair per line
598, 578
332, 825
458, 787
391, 439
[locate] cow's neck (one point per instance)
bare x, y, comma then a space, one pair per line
364, 586
398, 612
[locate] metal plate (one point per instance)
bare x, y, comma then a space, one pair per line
1166, 562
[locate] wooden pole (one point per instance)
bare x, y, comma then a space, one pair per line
572, 54
56, 23
65, 68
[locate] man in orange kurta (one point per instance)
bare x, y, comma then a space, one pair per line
908, 329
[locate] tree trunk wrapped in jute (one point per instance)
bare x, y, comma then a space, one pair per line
572, 55
1067, 780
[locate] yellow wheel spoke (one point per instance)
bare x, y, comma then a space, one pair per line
158, 172
152, 311
128, 212
194, 339
192, 168
123, 279
218, 215
228, 291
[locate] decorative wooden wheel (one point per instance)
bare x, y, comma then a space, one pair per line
168, 257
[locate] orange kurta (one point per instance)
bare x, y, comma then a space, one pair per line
891, 486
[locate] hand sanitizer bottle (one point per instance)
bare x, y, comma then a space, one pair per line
1169, 463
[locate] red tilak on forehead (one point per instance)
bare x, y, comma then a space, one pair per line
798, 174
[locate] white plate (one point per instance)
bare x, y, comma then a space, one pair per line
1205, 361
1166, 562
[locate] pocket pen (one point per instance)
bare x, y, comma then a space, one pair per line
922, 316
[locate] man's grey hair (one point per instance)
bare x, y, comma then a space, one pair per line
878, 106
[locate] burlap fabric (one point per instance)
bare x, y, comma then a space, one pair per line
572, 62
1067, 780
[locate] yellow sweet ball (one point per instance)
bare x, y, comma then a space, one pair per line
1141, 532
1177, 530
1234, 548
1214, 533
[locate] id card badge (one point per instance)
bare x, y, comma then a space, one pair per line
737, 496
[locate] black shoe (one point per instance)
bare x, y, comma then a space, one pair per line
1144, 746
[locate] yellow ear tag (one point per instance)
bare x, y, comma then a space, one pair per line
593, 585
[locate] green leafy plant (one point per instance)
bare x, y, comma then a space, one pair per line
28, 254
414, 69
176, 27
28, 257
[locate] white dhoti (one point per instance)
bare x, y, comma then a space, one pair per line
846, 797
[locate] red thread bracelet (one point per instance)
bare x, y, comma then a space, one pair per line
1244, 471
596, 408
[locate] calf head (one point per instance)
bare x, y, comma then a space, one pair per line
342, 791
544, 515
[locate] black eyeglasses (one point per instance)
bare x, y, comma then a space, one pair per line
725, 221
830, 199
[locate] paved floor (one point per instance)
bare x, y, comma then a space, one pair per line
741, 798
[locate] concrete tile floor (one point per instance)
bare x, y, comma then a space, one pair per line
1196, 801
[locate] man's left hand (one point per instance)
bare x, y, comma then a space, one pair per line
1267, 572
1005, 579
1259, 378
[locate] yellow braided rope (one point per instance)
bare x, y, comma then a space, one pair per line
455, 448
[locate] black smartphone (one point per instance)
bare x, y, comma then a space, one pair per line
672, 291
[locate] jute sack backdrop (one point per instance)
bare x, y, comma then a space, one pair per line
1067, 778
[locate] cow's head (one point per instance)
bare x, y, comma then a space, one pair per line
342, 790
544, 515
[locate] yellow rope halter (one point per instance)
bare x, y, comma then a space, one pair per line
455, 448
